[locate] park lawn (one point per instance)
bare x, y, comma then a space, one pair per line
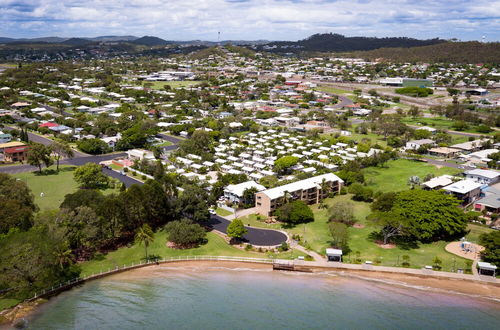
164, 144
216, 246
53, 185
475, 231
395, 173
440, 123
334, 90
374, 138
8, 303
174, 84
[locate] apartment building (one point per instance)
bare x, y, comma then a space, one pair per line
311, 191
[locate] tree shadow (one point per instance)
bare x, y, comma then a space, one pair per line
52, 171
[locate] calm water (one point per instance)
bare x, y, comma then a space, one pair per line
258, 299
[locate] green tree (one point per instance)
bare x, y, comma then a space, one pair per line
93, 146
295, 212
388, 223
145, 235
360, 192
491, 243
61, 149
38, 155
17, 204
340, 235
90, 176
283, 164
342, 211
184, 233
236, 229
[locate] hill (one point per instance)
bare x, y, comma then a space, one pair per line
76, 42
332, 42
150, 41
448, 52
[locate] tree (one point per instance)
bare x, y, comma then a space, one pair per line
93, 146
343, 212
90, 176
431, 215
389, 224
384, 202
283, 164
38, 155
185, 233
295, 212
236, 229
17, 204
340, 235
61, 149
145, 235
249, 197
360, 192
491, 243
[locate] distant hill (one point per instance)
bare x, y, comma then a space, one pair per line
77, 42
150, 41
332, 42
448, 52
113, 38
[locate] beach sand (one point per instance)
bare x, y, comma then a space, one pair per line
471, 288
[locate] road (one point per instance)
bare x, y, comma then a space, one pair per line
447, 164
255, 236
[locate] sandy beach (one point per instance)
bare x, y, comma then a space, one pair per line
471, 288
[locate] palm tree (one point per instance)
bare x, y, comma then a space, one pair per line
145, 235
63, 256
286, 197
325, 188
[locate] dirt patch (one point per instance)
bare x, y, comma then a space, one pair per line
385, 246
358, 225
467, 250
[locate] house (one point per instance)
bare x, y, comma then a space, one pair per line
5, 137
470, 146
479, 157
488, 177
416, 144
308, 190
444, 152
234, 192
16, 154
490, 203
140, 154
438, 182
112, 140
466, 190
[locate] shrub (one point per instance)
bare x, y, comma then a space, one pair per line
185, 233
360, 192
406, 261
295, 212
283, 247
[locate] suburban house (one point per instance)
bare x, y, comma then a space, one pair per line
234, 192
438, 182
140, 154
5, 137
308, 190
470, 146
490, 203
444, 152
16, 154
416, 144
488, 177
465, 190
479, 157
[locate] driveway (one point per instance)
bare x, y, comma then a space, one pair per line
255, 236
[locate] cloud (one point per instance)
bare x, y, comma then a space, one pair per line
250, 19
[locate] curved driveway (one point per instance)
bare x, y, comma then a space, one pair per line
254, 236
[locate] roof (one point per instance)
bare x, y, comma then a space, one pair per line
239, 189
469, 145
439, 181
11, 144
300, 185
15, 149
486, 265
491, 201
463, 186
49, 125
334, 252
422, 141
484, 173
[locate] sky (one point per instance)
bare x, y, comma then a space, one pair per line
251, 19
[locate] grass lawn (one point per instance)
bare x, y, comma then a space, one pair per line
333, 90
439, 123
7, 303
164, 144
216, 246
222, 212
54, 186
173, 84
394, 176
374, 138
475, 232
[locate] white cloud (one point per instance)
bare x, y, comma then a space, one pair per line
257, 19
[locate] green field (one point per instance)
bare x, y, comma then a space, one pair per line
216, 246
222, 212
334, 90
54, 186
173, 84
439, 123
394, 175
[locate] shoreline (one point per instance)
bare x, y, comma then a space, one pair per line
489, 291
477, 290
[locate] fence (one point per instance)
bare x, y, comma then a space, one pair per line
80, 280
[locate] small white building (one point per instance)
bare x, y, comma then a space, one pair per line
234, 192
488, 177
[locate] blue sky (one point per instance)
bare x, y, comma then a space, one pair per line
251, 19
